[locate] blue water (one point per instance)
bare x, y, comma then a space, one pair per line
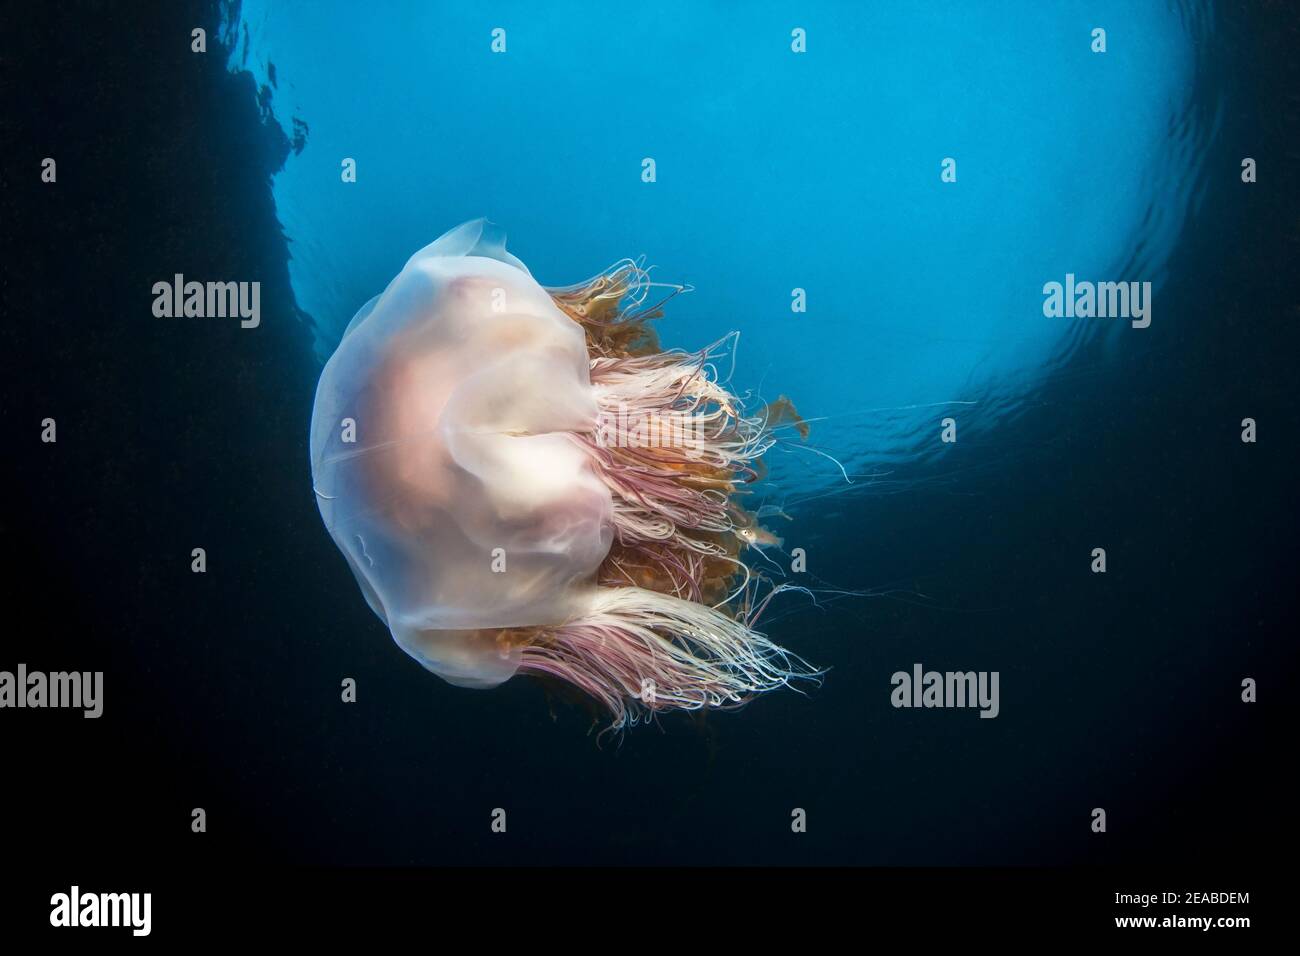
821, 171
775, 171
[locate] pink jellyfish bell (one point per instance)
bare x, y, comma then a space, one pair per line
521, 482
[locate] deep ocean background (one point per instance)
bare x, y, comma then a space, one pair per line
222, 690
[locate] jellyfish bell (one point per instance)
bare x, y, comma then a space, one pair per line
461, 463
454, 490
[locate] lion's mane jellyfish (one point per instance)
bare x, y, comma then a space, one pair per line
523, 482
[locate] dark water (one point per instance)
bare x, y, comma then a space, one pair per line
1119, 690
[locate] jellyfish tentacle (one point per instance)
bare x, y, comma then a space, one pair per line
639, 652
676, 604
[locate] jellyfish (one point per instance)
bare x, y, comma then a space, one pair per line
522, 482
